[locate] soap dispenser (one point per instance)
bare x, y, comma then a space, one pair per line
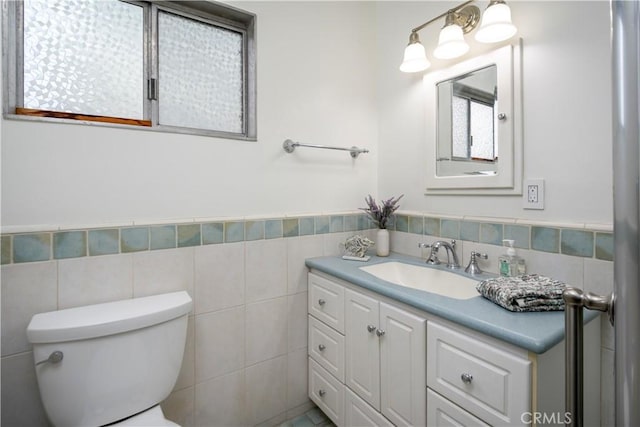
510, 263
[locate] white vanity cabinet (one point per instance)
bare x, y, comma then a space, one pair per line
374, 350
374, 361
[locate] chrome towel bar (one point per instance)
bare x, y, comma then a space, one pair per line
289, 146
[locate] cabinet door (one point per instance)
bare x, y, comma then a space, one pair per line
358, 413
403, 378
363, 352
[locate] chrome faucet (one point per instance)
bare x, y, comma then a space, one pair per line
452, 258
473, 267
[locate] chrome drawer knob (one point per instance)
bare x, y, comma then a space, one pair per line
321, 392
321, 302
321, 347
380, 332
371, 328
466, 378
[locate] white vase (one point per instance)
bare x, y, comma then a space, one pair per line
382, 242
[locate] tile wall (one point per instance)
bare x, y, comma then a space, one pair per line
245, 361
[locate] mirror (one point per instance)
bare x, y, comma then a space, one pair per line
473, 126
467, 143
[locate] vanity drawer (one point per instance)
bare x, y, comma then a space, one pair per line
326, 301
490, 382
327, 392
441, 412
326, 346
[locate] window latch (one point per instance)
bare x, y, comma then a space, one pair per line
152, 89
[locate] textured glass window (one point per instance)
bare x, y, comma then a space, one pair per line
200, 73
460, 132
83, 56
482, 131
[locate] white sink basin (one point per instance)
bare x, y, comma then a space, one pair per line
425, 279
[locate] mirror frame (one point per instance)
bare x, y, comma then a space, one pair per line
508, 180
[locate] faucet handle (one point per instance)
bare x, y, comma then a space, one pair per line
432, 259
473, 267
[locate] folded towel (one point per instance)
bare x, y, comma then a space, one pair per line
529, 292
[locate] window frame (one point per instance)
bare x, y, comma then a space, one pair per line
211, 13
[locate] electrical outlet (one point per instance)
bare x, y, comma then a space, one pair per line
534, 194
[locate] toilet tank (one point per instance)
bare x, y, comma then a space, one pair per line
119, 358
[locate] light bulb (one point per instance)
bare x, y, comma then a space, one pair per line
451, 43
415, 58
496, 24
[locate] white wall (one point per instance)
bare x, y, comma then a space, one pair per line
315, 85
567, 111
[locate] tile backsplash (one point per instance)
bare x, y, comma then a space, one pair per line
579, 240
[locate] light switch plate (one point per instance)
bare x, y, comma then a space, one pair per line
533, 194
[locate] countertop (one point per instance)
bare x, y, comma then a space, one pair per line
533, 331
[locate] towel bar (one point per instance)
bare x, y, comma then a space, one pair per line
289, 146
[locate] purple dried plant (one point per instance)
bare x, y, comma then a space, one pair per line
380, 214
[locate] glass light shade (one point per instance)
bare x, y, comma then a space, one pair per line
451, 43
415, 59
496, 24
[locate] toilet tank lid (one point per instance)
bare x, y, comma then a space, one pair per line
109, 318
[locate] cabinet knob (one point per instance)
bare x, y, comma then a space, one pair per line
321, 302
380, 332
321, 392
371, 328
321, 347
466, 378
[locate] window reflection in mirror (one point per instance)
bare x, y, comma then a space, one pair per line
467, 142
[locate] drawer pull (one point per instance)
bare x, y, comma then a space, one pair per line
380, 332
321, 302
466, 378
321, 347
371, 328
321, 392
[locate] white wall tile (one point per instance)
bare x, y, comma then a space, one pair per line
607, 389
297, 320
297, 378
266, 330
219, 276
21, 404
568, 269
94, 280
27, 289
179, 407
333, 241
598, 276
162, 271
221, 401
299, 249
407, 243
219, 343
265, 269
186, 377
266, 391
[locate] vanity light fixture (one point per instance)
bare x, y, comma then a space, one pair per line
496, 26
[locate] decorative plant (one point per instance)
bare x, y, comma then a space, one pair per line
380, 214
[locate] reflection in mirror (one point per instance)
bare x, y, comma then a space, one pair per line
467, 142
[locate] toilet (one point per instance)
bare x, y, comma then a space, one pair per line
110, 363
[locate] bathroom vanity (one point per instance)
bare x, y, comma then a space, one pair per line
382, 354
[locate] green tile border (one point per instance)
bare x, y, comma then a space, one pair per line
26, 247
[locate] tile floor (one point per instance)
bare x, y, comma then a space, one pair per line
312, 418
